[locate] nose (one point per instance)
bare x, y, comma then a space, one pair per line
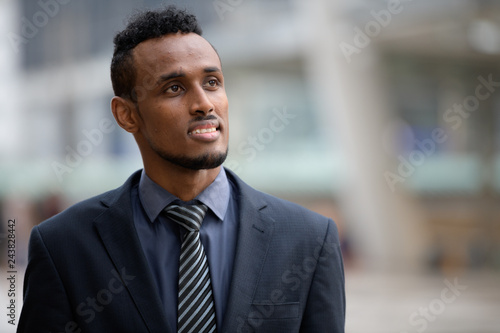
201, 103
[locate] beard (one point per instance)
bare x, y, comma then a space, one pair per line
205, 161
201, 162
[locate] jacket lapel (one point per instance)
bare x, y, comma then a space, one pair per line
117, 231
254, 236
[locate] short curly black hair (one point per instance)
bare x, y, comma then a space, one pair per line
141, 27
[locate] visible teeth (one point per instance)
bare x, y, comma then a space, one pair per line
204, 130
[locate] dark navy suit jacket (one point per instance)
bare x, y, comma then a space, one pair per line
87, 272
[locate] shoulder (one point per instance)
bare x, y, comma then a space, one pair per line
286, 215
86, 209
81, 215
291, 218
287, 210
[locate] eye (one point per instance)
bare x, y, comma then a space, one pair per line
173, 88
212, 83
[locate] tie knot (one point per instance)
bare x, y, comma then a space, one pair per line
189, 217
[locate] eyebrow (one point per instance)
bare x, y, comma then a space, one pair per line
169, 76
212, 69
178, 74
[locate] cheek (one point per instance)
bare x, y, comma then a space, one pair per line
157, 130
223, 105
163, 120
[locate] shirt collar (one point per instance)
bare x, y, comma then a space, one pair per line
155, 198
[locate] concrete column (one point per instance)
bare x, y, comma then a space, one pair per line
353, 107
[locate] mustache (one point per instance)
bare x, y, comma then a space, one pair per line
204, 118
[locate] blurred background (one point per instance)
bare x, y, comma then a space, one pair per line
384, 115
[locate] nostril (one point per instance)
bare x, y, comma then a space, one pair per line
204, 112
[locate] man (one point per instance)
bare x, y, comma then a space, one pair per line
126, 261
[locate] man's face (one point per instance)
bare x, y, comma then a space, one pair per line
181, 100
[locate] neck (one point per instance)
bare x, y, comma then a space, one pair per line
184, 183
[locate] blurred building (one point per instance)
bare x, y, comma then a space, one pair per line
366, 111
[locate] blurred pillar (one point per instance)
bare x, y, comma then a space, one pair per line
10, 56
383, 225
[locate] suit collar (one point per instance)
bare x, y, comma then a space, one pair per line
155, 198
254, 236
117, 231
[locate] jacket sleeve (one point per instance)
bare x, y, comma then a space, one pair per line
325, 308
46, 307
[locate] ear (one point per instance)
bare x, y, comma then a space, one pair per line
125, 114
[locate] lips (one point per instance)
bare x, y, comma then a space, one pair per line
204, 130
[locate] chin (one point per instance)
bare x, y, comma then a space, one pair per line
204, 161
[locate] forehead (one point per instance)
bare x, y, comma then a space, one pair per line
180, 51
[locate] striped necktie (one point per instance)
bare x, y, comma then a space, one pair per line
196, 310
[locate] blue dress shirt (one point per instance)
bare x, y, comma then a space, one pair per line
161, 239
